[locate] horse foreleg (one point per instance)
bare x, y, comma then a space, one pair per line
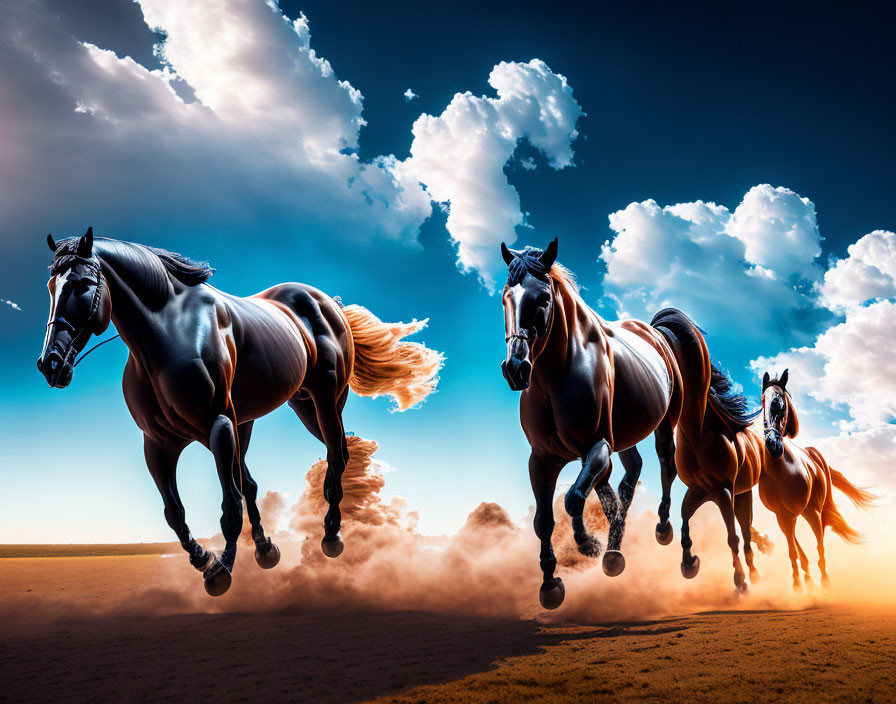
743, 509
693, 499
161, 460
787, 524
267, 555
222, 441
329, 420
814, 519
724, 499
595, 469
543, 472
665, 452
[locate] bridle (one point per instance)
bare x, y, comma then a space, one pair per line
523, 334
57, 322
770, 430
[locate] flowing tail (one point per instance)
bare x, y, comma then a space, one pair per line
385, 365
862, 498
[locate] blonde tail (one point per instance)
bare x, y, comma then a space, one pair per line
862, 498
385, 365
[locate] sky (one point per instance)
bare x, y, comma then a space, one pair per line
734, 161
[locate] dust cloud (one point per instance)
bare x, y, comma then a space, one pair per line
488, 568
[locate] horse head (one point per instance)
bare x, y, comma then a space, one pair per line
80, 306
778, 415
528, 303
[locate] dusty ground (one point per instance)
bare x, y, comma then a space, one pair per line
57, 644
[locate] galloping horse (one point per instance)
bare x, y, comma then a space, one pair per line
799, 482
204, 365
590, 388
719, 460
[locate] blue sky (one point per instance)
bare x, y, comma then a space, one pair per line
264, 164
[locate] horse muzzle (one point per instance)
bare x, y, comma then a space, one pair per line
56, 369
774, 443
517, 372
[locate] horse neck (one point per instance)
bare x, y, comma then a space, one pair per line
139, 287
571, 317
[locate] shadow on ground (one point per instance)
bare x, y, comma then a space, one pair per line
321, 657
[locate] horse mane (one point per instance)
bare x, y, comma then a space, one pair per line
182, 268
729, 404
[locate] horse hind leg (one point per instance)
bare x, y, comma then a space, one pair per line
743, 510
665, 452
724, 499
595, 467
616, 509
267, 554
693, 499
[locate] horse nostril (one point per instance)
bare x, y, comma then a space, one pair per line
54, 363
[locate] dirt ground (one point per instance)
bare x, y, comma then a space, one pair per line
56, 644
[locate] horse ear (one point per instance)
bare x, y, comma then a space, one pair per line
550, 254
765, 379
782, 382
51, 244
85, 244
507, 254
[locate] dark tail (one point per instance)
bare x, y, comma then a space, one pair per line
692, 356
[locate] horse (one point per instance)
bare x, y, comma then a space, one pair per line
719, 459
591, 388
799, 482
204, 365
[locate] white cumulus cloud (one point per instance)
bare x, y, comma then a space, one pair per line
752, 268
868, 273
460, 155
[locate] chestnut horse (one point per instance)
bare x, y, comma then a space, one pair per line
204, 365
799, 482
720, 460
590, 388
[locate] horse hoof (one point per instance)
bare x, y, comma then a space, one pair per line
551, 594
269, 559
614, 563
754, 576
740, 588
332, 545
825, 585
217, 580
689, 571
811, 587
664, 534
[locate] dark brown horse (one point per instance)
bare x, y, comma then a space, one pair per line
204, 365
799, 482
591, 388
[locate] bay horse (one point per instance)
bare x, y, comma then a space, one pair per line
204, 365
719, 459
799, 482
591, 388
